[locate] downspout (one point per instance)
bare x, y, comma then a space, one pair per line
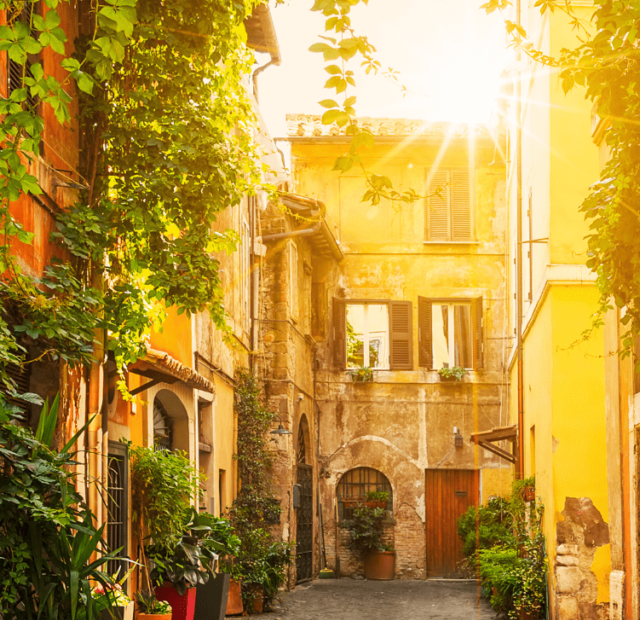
519, 304
306, 232
96, 429
257, 72
255, 282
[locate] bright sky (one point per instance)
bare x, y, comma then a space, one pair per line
449, 54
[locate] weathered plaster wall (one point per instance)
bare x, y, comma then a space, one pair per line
402, 423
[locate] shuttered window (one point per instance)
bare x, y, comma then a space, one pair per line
450, 333
376, 334
449, 205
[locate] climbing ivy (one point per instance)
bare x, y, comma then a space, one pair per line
167, 142
606, 62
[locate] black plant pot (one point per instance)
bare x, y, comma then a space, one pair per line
211, 598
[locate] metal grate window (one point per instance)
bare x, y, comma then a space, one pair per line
354, 486
22, 11
118, 494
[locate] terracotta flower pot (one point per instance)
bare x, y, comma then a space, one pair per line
529, 494
380, 565
257, 603
234, 598
183, 607
140, 616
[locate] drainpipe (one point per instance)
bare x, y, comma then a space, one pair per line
96, 430
307, 232
519, 305
258, 71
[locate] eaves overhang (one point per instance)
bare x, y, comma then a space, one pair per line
160, 367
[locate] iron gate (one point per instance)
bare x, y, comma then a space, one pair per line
304, 530
117, 508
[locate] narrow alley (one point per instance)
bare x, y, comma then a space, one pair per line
348, 599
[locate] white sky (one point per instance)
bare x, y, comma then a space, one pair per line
449, 54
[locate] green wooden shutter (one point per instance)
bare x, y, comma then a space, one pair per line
425, 335
439, 227
339, 333
478, 334
460, 205
401, 336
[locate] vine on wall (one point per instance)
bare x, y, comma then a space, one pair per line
168, 143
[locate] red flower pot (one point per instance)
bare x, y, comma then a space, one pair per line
375, 504
183, 607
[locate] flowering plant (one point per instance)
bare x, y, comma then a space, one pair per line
110, 595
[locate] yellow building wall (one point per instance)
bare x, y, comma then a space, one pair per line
225, 421
174, 337
564, 401
574, 158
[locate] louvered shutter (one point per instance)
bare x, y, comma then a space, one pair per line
478, 334
401, 338
339, 333
425, 334
439, 224
460, 205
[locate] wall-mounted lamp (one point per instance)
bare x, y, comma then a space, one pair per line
457, 437
281, 430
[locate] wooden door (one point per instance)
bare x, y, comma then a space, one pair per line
449, 492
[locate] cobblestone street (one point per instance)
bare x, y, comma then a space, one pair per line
348, 599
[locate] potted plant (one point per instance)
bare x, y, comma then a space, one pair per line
150, 608
180, 568
164, 484
376, 499
455, 373
213, 600
111, 599
366, 530
362, 374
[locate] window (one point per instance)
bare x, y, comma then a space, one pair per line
117, 508
449, 212
354, 486
367, 335
450, 333
376, 334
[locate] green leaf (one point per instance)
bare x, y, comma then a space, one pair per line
51, 19
335, 116
329, 103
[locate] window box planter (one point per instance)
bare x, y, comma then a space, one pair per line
380, 565
361, 375
183, 607
140, 616
455, 374
375, 503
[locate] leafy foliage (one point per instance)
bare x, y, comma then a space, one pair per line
168, 143
486, 526
455, 372
163, 486
366, 528
505, 544
47, 533
261, 558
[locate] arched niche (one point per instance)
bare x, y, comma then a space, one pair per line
170, 421
354, 486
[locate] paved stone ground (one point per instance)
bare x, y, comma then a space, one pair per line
348, 599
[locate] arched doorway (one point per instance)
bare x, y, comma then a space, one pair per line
170, 422
304, 516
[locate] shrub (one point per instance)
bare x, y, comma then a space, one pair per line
366, 528
486, 526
